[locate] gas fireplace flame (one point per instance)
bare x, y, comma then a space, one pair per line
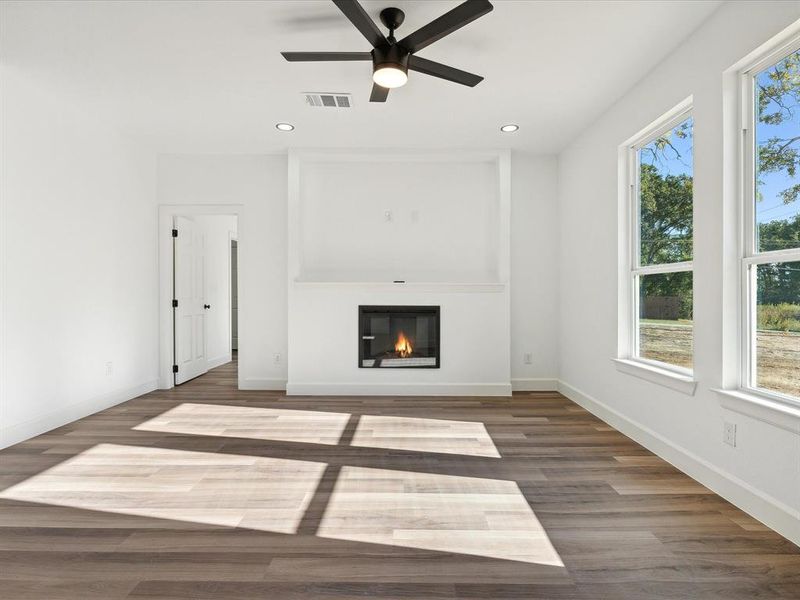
403, 346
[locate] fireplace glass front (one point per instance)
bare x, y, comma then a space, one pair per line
398, 337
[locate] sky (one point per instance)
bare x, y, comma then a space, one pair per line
677, 160
771, 207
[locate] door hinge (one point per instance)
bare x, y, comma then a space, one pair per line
174, 368
174, 304
174, 233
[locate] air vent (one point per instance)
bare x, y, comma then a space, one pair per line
327, 100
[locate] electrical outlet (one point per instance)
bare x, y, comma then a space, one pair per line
729, 434
527, 358
276, 358
387, 216
109, 369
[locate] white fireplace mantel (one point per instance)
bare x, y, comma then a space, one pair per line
443, 231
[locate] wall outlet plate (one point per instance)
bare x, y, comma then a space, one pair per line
729, 434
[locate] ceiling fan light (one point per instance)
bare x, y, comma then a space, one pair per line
390, 76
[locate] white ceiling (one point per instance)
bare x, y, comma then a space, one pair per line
208, 76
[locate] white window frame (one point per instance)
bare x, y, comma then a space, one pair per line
636, 270
750, 257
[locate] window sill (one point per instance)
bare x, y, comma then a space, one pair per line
684, 384
774, 412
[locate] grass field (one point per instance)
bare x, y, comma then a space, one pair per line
778, 352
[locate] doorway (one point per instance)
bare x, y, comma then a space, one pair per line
204, 294
234, 299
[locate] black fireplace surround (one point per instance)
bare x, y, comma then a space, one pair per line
404, 337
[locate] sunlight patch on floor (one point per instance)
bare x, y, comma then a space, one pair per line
269, 494
462, 515
425, 435
276, 424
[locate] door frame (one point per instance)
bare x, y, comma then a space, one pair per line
166, 212
233, 237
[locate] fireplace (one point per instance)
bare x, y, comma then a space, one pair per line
398, 337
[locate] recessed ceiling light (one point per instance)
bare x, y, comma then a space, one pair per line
510, 128
284, 126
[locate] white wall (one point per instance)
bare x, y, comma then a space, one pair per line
534, 271
257, 183
380, 220
762, 474
78, 253
218, 230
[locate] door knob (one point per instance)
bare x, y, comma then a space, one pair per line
206, 306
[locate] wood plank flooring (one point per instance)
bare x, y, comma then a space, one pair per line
205, 492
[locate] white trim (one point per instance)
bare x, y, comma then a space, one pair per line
398, 389
674, 116
773, 256
770, 511
412, 286
72, 412
379, 155
773, 51
262, 383
780, 414
213, 363
673, 379
630, 269
297, 158
534, 384
232, 237
676, 267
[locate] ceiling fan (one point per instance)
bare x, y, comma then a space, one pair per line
392, 59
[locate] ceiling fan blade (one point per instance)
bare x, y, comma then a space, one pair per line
429, 67
325, 56
461, 15
359, 17
379, 94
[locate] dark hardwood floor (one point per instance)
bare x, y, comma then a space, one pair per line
207, 492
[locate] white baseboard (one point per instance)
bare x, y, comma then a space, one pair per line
258, 383
537, 384
398, 389
770, 511
213, 363
23, 431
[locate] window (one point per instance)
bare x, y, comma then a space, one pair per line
771, 257
661, 169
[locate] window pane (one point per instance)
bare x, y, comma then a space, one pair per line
778, 328
665, 197
665, 318
777, 136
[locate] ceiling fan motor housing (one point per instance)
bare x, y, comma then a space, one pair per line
392, 56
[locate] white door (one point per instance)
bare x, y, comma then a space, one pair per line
189, 291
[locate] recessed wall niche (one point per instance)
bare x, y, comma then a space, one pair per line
381, 220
